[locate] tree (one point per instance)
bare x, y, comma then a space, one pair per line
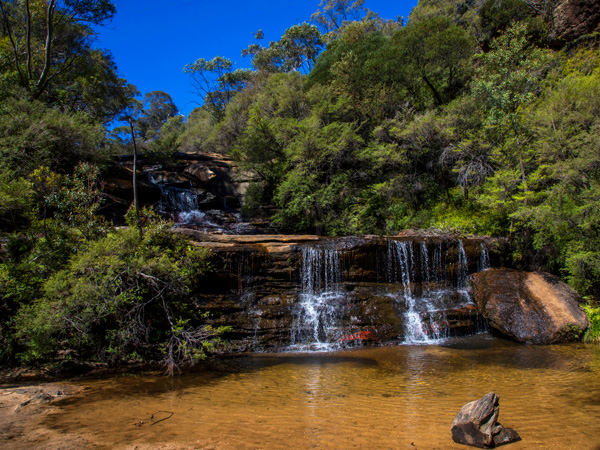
498, 15
122, 297
47, 38
131, 116
33, 135
297, 50
433, 53
216, 82
332, 14
92, 86
158, 108
508, 78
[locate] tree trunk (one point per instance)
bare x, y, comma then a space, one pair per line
41, 84
436, 94
136, 205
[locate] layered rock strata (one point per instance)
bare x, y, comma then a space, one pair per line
258, 287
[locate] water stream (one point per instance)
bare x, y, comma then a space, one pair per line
402, 259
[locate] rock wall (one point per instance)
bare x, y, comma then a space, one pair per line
259, 288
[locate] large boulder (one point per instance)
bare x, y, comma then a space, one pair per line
576, 18
529, 307
476, 424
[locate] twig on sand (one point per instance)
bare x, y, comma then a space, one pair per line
158, 421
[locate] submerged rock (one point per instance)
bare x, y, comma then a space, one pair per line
476, 424
529, 307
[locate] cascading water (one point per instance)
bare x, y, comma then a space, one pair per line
428, 292
462, 267
401, 256
440, 275
178, 199
426, 287
316, 320
199, 208
484, 258
425, 262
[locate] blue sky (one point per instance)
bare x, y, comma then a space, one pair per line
152, 40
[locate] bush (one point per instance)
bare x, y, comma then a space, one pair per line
593, 332
123, 297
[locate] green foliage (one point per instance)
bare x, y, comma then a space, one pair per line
593, 332
122, 294
158, 108
432, 57
46, 52
16, 195
498, 15
33, 135
332, 15
216, 83
57, 221
296, 50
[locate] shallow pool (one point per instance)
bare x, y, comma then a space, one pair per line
396, 397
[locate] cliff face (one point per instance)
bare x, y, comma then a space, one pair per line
576, 18
303, 291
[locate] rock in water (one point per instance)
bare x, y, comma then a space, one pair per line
529, 307
476, 424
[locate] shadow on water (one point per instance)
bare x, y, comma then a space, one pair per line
451, 357
485, 349
207, 373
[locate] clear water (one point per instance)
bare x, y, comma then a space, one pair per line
399, 397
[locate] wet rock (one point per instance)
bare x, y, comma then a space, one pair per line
165, 177
117, 193
258, 290
476, 424
209, 200
360, 336
529, 307
200, 173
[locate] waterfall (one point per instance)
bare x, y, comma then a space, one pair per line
425, 263
178, 199
320, 270
484, 258
425, 283
438, 267
401, 257
319, 311
427, 293
462, 267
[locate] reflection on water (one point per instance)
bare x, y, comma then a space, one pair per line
385, 397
